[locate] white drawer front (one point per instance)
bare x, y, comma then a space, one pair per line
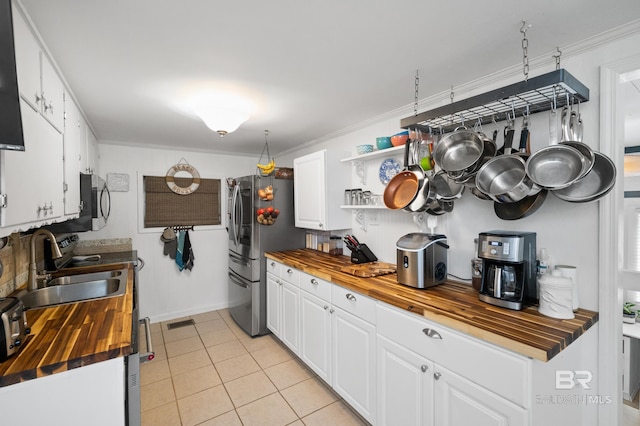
290, 275
355, 303
273, 267
316, 286
502, 372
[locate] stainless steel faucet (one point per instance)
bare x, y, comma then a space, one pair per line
32, 284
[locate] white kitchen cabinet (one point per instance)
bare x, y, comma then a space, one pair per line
74, 145
38, 82
282, 306
90, 395
320, 179
460, 402
33, 180
405, 386
354, 351
315, 325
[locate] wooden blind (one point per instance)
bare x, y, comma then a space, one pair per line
165, 208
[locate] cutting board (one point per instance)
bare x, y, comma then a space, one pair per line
371, 269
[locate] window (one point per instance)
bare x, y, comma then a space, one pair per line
165, 208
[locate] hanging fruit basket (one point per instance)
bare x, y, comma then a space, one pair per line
267, 215
269, 166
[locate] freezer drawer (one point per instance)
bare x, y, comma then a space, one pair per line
247, 268
244, 304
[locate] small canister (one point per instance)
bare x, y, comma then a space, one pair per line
476, 273
556, 295
335, 245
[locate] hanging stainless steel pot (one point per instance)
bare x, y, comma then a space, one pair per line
504, 179
458, 150
595, 185
556, 166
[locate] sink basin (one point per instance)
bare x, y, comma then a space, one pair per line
83, 278
77, 288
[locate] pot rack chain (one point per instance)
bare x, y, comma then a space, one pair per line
525, 49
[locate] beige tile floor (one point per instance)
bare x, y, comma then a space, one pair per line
213, 373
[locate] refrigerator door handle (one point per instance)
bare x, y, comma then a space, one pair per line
237, 281
235, 226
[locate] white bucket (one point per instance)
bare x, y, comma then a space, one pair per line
556, 295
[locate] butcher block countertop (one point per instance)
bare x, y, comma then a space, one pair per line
68, 336
454, 305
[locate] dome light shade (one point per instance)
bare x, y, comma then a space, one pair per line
220, 119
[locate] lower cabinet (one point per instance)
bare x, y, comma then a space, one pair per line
337, 341
354, 361
459, 401
282, 310
392, 367
405, 386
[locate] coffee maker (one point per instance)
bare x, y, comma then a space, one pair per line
508, 268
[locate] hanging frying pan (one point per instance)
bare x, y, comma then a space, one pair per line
403, 188
520, 209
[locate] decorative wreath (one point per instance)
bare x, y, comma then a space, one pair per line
182, 167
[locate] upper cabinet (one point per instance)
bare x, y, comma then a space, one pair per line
320, 179
38, 81
32, 180
42, 184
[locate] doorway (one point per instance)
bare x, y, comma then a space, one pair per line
611, 237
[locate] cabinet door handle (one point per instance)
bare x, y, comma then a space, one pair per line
331, 311
351, 297
289, 271
314, 281
326, 307
437, 375
432, 333
273, 264
424, 368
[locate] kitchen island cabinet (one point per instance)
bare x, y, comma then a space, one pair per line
468, 362
319, 184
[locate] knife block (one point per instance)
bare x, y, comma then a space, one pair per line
363, 255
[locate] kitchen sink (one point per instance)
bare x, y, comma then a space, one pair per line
77, 288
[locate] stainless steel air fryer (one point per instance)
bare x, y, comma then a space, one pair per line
422, 259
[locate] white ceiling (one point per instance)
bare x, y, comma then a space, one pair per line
313, 68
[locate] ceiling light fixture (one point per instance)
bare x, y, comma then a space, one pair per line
223, 113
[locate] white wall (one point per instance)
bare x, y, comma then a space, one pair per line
165, 292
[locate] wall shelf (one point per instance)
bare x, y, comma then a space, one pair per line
388, 152
536, 93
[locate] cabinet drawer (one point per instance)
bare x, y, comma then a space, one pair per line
502, 372
355, 303
289, 274
273, 266
316, 286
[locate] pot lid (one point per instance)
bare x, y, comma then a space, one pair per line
417, 241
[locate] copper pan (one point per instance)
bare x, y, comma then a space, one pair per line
404, 187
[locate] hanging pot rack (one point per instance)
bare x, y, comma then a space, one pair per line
538, 94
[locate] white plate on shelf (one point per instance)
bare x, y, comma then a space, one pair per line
388, 169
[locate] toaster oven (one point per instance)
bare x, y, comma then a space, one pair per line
13, 326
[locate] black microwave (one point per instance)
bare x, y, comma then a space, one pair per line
95, 207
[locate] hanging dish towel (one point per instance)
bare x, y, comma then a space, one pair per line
187, 252
180, 250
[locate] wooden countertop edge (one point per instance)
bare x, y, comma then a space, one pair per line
124, 349
507, 343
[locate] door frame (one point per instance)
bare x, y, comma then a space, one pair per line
611, 221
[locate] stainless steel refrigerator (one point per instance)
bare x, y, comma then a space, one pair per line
249, 240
